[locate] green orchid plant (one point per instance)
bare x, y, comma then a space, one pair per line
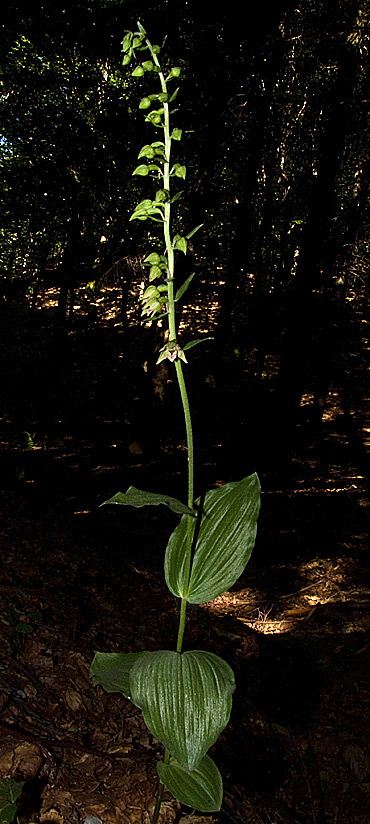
185, 696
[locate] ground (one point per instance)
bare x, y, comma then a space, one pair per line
76, 578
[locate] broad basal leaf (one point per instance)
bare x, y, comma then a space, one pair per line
200, 788
226, 538
185, 699
137, 497
112, 670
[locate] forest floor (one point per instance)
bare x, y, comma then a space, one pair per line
76, 578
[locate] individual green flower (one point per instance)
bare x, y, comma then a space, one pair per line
171, 351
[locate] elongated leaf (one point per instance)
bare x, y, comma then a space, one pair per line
141, 29
200, 788
174, 95
195, 342
185, 699
112, 670
137, 497
184, 287
190, 234
225, 542
177, 196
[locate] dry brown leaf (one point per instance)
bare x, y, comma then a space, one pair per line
73, 699
25, 760
52, 815
57, 806
6, 761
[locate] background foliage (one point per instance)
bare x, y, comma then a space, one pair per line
277, 152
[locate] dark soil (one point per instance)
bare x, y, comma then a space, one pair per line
80, 420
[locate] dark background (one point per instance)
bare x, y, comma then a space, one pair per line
274, 107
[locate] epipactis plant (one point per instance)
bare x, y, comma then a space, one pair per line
185, 697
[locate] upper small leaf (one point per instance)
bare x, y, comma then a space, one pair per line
190, 234
195, 342
141, 29
184, 287
137, 497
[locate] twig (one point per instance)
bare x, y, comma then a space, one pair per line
54, 743
298, 591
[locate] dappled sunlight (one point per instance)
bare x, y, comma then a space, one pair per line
325, 583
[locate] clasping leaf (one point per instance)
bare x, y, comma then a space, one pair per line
225, 542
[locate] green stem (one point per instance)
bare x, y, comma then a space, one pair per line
158, 802
189, 433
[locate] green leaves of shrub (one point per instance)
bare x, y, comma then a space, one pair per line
226, 538
10, 790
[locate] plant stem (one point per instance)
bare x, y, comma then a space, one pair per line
179, 373
158, 802
189, 432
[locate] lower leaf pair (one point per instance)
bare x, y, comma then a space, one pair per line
185, 699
